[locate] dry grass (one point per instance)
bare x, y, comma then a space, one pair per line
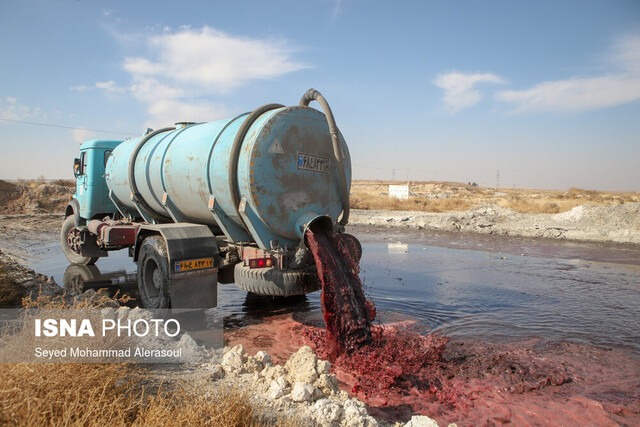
87, 394
110, 394
434, 196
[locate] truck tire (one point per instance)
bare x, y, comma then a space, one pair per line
70, 245
153, 274
274, 282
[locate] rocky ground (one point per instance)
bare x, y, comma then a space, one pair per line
616, 223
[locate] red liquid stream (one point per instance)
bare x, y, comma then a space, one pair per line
344, 305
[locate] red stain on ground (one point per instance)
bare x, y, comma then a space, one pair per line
400, 371
469, 382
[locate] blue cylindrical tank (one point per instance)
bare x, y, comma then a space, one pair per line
287, 174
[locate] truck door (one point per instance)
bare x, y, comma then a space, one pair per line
82, 193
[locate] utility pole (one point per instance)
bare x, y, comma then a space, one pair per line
498, 179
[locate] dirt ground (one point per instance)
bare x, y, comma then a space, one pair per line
35, 197
606, 224
435, 196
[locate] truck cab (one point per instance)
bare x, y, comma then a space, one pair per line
92, 194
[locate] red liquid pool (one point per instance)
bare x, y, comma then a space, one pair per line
399, 370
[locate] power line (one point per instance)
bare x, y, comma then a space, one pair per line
68, 127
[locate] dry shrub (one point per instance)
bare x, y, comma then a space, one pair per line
67, 394
366, 201
92, 394
190, 407
110, 394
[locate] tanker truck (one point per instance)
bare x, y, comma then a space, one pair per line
199, 204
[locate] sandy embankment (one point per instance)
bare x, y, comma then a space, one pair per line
616, 224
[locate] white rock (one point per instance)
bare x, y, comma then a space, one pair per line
323, 366
217, 372
264, 358
421, 421
350, 407
301, 366
343, 395
272, 372
327, 411
277, 388
327, 383
282, 382
252, 365
232, 361
239, 349
355, 414
302, 392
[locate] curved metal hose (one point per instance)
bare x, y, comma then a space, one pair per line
314, 95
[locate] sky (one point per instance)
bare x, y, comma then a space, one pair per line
542, 94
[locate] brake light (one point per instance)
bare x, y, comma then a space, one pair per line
260, 262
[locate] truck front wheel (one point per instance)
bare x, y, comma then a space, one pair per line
70, 241
153, 273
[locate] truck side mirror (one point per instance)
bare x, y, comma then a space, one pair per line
76, 167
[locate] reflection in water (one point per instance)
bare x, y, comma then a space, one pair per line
397, 248
78, 278
254, 308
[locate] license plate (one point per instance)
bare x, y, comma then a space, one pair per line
194, 264
313, 163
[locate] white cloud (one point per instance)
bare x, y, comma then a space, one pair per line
616, 87
11, 109
79, 88
460, 91
165, 112
212, 60
150, 90
184, 68
109, 86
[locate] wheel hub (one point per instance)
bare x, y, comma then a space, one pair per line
157, 279
74, 241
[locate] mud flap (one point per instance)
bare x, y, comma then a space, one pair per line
193, 263
90, 246
199, 291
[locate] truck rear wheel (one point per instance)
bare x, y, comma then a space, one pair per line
274, 282
70, 242
153, 273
